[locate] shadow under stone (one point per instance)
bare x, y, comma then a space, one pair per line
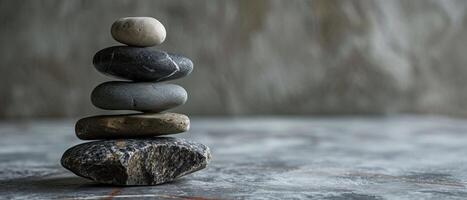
60, 184
47, 184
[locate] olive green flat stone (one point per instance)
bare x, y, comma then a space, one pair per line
131, 125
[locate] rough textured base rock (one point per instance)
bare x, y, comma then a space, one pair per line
136, 161
131, 126
142, 96
141, 64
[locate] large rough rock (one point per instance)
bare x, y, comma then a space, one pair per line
136, 161
131, 126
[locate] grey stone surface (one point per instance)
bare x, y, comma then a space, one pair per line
136, 161
138, 31
131, 126
141, 64
252, 56
143, 96
400, 157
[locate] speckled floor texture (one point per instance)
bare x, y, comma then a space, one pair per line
397, 157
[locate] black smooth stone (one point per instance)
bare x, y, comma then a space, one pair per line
141, 64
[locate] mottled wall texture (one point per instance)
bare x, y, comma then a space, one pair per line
252, 57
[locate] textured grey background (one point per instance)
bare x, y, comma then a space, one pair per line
251, 56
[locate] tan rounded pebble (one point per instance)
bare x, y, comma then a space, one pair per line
131, 125
138, 31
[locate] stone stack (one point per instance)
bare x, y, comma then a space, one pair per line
128, 150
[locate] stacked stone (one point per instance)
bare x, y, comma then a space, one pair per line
128, 150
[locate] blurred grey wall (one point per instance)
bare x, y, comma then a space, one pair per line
251, 56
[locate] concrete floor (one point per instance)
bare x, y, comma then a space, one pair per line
400, 157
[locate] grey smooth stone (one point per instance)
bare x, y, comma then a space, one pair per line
138, 31
141, 64
144, 96
131, 126
136, 161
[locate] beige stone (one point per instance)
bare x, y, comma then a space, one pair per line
131, 125
138, 31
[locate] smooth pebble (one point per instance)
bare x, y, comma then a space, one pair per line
138, 31
141, 64
141, 96
131, 125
